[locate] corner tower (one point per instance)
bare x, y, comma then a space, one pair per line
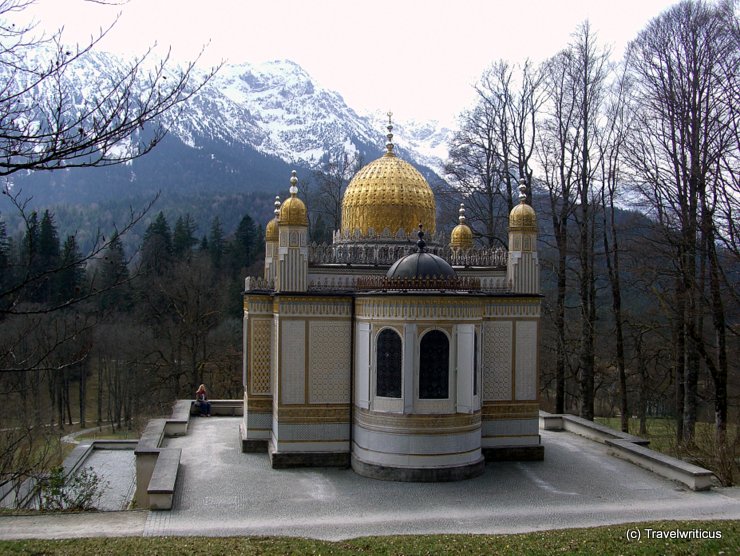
523, 269
291, 274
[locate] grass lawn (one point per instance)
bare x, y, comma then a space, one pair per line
599, 540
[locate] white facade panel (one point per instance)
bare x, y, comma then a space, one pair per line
293, 362
526, 360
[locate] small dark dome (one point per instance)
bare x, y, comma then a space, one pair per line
421, 265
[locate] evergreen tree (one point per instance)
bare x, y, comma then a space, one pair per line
156, 250
114, 278
216, 243
183, 238
71, 277
243, 249
41, 256
30, 247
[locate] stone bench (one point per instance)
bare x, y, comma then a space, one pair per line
631, 448
158, 464
596, 431
147, 453
230, 408
693, 476
161, 488
177, 424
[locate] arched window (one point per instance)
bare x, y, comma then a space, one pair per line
434, 366
388, 379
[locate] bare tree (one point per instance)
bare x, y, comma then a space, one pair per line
494, 146
45, 124
576, 79
330, 181
611, 141
685, 135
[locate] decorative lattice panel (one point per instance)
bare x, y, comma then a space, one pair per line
261, 344
497, 339
526, 360
329, 361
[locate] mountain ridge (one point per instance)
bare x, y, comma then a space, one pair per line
243, 132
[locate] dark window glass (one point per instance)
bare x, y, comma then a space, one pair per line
434, 366
389, 364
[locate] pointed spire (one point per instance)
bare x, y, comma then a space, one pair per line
293, 184
461, 218
421, 244
389, 145
522, 190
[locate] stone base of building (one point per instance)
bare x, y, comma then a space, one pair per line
514, 453
251, 445
290, 460
419, 474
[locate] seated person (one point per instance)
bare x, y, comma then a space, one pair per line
201, 401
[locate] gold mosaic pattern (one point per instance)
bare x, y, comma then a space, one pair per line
503, 307
527, 410
417, 424
428, 307
388, 193
312, 414
261, 344
313, 306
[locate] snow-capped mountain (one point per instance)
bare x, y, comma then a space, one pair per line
243, 133
277, 108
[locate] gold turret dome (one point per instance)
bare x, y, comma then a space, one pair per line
272, 233
522, 217
293, 212
388, 193
461, 236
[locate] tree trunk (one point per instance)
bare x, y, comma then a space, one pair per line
83, 394
679, 359
560, 318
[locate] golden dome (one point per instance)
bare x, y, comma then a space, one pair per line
388, 193
522, 217
271, 232
293, 212
461, 236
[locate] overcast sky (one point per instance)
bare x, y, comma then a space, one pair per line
417, 58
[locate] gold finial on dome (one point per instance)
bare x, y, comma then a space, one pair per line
522, 190
522, 218
293, 211
271, 232
461, 236
389, 145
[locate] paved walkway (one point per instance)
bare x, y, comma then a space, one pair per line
222, 491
